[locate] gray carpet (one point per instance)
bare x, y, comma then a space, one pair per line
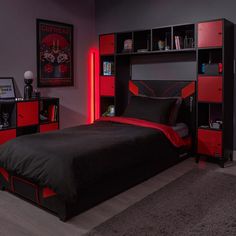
198, 203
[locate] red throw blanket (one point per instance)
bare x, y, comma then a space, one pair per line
172, 136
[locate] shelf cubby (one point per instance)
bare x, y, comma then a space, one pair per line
209, 113
121, 38
105, 103
164, 35
7, 115
142, 41
49, 111
107, 66
212, 57
186, 36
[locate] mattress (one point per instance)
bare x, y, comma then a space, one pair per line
182, 129
72, 159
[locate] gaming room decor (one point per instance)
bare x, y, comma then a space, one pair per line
54, 53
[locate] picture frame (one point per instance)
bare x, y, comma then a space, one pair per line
54, 54
7, 88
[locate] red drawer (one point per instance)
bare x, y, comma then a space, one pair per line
210, 142
107, 44
7, 135
210, 34
107, 85
48, 127
210, 88
27, 113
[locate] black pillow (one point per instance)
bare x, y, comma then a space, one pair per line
175, 112
150, 109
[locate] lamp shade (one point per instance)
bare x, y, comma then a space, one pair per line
29, 75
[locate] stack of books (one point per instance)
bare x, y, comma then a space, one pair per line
108, 68
52, 113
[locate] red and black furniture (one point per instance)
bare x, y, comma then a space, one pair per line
209, 57
25, 117
215, 49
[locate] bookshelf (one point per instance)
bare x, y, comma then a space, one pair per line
215, 49
107, 71
27, 117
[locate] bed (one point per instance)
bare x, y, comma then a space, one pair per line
70, 170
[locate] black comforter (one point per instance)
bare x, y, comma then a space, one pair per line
72, 159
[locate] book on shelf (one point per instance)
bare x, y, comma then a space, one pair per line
178, 42
108, 68
52, 113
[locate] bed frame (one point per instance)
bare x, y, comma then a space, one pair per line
47, 199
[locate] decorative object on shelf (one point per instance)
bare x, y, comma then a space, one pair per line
213, 69
28, 89
7, 90
128, 45
36, 93
161, 44
110, 111
54, 53
5, 117
167, 47
188, 42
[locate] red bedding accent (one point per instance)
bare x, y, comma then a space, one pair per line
5, 174
172, 136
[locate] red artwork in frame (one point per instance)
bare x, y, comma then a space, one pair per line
54, 54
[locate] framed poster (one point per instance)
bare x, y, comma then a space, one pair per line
7, 89
54, 54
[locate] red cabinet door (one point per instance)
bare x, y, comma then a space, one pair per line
6, 135
210, 88
107, 86
107, 44
48, 127
210, 142
27, 113
210, 34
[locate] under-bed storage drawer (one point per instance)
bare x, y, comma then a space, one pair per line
210, 142
7, 135
25, 189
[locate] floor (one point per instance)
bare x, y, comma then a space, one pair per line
18, 217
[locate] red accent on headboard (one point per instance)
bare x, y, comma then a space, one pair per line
5, 174
188, 90
133, 88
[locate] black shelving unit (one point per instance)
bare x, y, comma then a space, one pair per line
215, 54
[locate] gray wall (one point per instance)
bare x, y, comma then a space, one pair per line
122, 15
18, 47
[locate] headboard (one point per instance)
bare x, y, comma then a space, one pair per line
161, 88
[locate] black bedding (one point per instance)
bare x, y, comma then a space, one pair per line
72, 159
